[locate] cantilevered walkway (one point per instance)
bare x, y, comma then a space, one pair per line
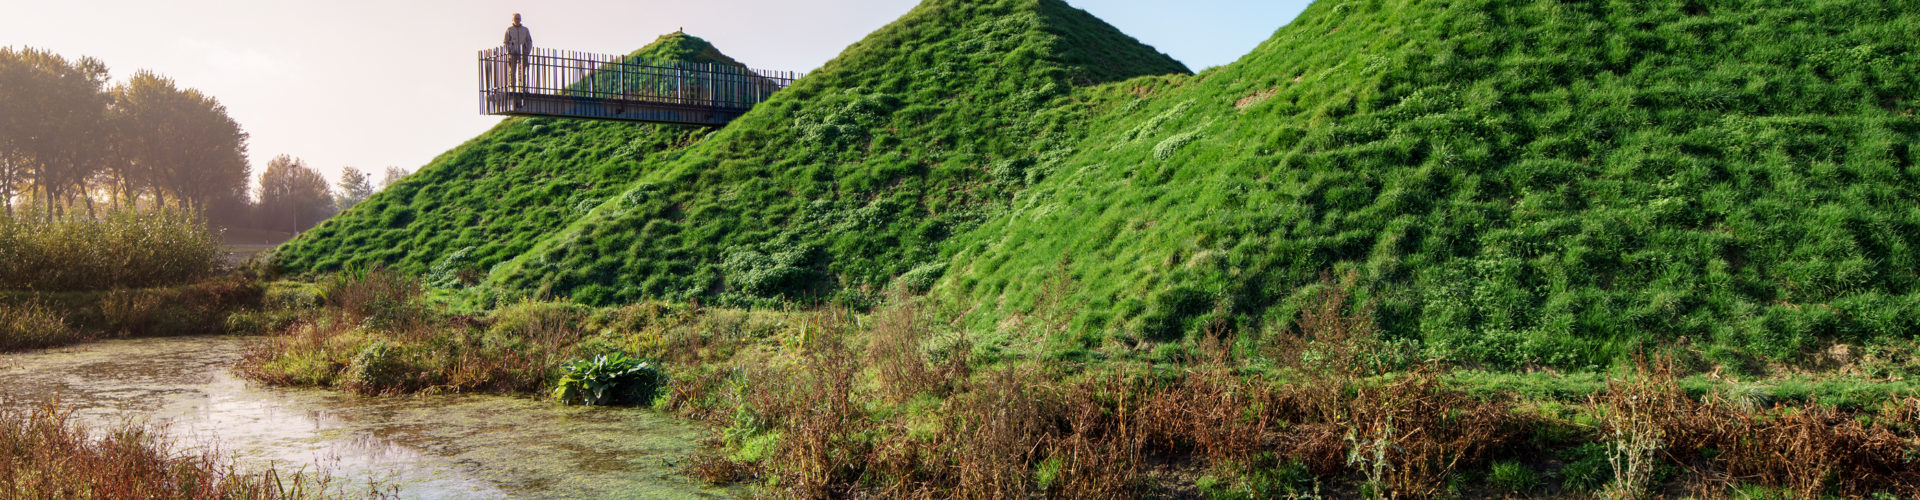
567, 84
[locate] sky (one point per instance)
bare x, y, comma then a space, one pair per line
379, 83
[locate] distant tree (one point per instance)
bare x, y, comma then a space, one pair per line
13, 87
293, 196
55, 133
143, 107
394, 174
177, 145
355, 187
67, 139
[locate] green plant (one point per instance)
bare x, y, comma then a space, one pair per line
608, 379
377, 368
1369, 454
1586, 467
1512, 477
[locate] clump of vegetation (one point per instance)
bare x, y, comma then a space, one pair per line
1511, 476
118, 249
45, 454
376, 332
205, 308
607, 379
898, 401
31, 325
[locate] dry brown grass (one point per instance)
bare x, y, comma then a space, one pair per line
44, 454
1812, 450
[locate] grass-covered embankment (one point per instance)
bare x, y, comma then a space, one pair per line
1127, 281
494, 197
846, 180
1517, 183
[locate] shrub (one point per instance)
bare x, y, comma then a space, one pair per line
922, 277
551, 325
122, 249
380, 298
31, 325
378, 368
608, 379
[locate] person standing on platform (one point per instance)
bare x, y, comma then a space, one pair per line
519, 47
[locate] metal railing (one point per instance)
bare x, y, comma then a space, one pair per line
550, 82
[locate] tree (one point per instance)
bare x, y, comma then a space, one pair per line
394, 174
66, 138
54, 137
293, 196
177, 142
355, 187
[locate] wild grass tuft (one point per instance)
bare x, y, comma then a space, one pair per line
45, 454
31, 325
120, 249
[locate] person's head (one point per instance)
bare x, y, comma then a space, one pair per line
516, 18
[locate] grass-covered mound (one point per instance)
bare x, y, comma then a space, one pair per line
1509, 182
493, 197
856, 174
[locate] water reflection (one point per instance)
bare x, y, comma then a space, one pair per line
428, 447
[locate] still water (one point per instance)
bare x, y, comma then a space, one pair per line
423, 447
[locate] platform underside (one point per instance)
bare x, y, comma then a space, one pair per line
533, 104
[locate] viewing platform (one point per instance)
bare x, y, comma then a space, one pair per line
566, 84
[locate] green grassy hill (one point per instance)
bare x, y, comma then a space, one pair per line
1510, 182
859, 172
493, 197
1507, 182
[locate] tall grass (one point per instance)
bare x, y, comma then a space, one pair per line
120, 249
45, 319
45, 454
31, 325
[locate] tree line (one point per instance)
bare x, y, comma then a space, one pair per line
73, 141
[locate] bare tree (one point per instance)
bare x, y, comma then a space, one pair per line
394, 174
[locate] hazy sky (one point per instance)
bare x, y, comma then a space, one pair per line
377, 83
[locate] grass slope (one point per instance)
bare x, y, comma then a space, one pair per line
857, 173
1510, 182
493, 197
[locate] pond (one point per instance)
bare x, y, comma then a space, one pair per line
455, 446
